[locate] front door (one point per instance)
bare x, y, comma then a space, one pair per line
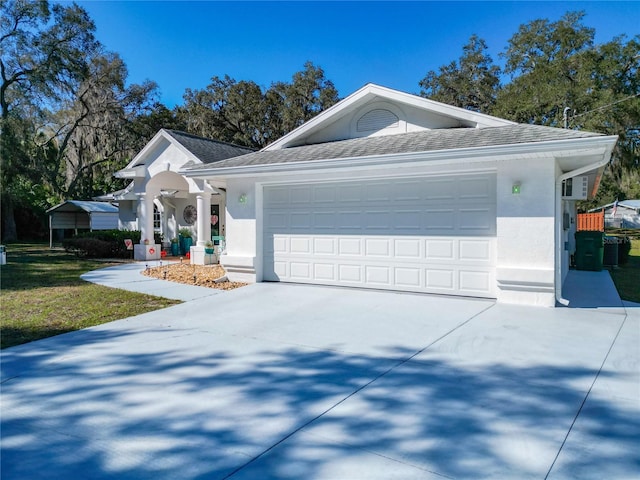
215, 224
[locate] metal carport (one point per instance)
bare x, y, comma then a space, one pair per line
75, 214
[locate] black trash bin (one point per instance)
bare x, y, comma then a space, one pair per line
610, 255
589, 250
624, 247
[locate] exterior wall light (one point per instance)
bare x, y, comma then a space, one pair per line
243, 198
515, 188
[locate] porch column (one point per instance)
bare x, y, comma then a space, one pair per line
146, 217
143, 251
203, 206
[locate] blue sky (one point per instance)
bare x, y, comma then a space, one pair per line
182, 44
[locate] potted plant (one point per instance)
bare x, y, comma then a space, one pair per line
208, 247
185, 240
175, 247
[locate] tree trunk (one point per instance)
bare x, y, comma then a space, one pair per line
9, 231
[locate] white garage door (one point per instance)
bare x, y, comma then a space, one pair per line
434, 234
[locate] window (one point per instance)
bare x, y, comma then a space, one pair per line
157, 220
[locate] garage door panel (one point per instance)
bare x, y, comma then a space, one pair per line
475, 250
324, 194
439, 189
408, 277
299, 245
300, 270
279, 271
377, 247
325, 272
440, 279
408, 191
350, 246
440, 249
474, 281
441, 219
277, 196
474, 189
349, 193
425, 235
377, 191
477, 220
300, 195
277, 221
350, 273
378, 275
297, 221
405, 220
280, 245
324, 220
324, 246
377, 220
409, 248
348, 220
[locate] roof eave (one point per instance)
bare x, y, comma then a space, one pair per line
150, 144
602, 143
132, 170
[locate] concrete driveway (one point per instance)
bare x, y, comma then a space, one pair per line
276, 381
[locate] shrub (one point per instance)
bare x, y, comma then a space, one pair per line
102, 243
89, 247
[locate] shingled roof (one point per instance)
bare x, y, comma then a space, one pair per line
207, 150
423, 141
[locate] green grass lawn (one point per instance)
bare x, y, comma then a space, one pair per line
41, 295
627, 277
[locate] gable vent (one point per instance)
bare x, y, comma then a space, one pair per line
377, 120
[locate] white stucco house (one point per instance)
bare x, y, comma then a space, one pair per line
161, 200
392, 191
622, 214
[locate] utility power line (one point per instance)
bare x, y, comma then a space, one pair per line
606, 106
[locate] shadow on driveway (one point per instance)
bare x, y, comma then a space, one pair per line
273, 382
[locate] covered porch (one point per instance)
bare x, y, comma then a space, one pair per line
163, 202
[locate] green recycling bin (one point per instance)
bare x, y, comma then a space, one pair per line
589, 250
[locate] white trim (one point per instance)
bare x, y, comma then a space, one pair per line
133, 164
133, 172
125, 194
